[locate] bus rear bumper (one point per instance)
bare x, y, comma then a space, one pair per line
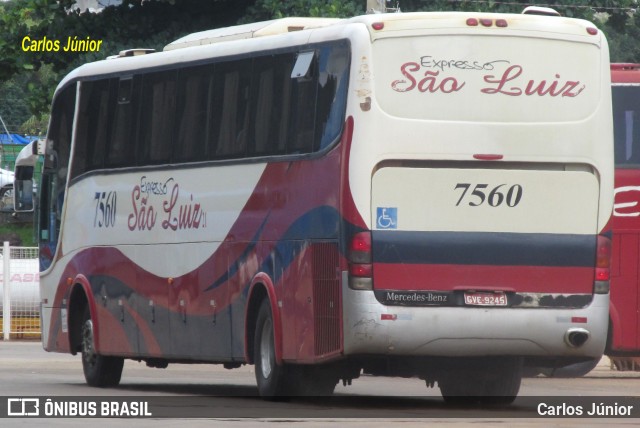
373, 328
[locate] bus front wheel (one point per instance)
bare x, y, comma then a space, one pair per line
271, 378
99, 370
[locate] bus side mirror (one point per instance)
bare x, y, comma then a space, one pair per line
23, 188
23, 191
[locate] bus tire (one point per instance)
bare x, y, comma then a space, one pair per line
271, 378
494, 383
99, 370
312, 381
572, 370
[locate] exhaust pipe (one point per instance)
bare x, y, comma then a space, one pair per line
576, 337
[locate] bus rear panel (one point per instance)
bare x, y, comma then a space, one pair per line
483, 171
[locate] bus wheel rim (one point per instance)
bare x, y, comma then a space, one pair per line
88, 349
266, 350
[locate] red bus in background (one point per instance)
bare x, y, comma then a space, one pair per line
623, 345
623, 342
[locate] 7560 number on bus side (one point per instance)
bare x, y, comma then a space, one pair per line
105, 215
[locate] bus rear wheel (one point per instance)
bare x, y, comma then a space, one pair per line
280, 381
572, 370
99, 370
312, 381
272, 379
495, 381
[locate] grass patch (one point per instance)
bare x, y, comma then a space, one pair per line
20, 234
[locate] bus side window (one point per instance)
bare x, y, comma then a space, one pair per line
318, 97
303, 107
157, 113
121, 146
632, 135
92, 129
626, 126
232, 114
332, 93
191, 113
54, 175
270, 99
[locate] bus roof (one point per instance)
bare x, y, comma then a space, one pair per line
248, 31
394, 25
394, 21
487, 21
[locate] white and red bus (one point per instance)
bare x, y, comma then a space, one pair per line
624, 338
419, 194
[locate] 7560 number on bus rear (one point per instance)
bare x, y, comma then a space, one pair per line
481, 194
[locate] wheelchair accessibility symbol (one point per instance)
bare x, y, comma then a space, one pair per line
387, 218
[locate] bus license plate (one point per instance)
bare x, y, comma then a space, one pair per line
485, 299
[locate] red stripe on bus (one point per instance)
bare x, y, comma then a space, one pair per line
535, 279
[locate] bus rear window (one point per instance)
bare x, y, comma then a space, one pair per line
486, 79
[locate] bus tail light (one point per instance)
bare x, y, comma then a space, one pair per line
486, 22
361, 270
360, 267
360, 248
603, 264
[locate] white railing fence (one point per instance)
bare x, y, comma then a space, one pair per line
20, 300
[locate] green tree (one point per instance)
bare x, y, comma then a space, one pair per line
624, 44
135, 23
14, 108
